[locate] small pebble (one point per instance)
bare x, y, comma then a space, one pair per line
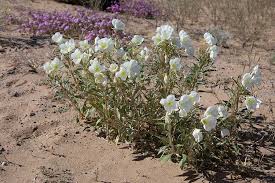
32, 114
15, 94
2, 149
35, 128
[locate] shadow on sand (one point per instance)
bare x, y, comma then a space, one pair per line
15, 42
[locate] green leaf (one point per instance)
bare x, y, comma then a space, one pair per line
179, 145
163, 139
162, 150
98, 121
165, 158
183, 161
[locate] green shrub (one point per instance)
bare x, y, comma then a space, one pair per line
140, 95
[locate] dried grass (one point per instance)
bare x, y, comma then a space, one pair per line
247, 20
4, 12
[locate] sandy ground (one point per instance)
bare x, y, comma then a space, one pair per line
40, 140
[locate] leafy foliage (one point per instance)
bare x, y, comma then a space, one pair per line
139, 95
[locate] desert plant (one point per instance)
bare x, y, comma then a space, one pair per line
140, 95
84, 24
221, 36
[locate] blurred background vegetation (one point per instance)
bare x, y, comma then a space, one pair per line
246, 20
95, 4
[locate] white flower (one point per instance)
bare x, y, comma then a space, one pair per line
145, 53
223, 113
212, 111
122, 74
77, 56
96, 40
100, 78
185, 103
175, 64
67, 47
209, 39
57, 38
209, 122
225, 132
182, 113
157, 39
118, 24
252, 103
137, 40
251, 79
197, 134
256, 75
56, 64
84, 45
184, 38
47, 67
247, 81
195, 97
104, 44
113, 68
96, 67
52, 66
186, 43
165, 32
132, 67
213, 50
256, 70
169, 103
86, 57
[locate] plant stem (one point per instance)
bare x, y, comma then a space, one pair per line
236, 101
170, 137
67, 94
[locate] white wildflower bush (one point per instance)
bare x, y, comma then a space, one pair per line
147, 95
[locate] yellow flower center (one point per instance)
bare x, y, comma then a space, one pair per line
170, 103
